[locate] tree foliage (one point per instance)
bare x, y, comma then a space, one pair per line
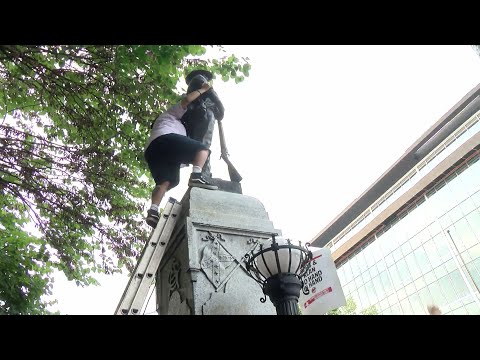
75, 121
351, 309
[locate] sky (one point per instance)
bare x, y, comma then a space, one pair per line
310, 130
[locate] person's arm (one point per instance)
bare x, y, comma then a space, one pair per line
194, 95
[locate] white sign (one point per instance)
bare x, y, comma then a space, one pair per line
321, 282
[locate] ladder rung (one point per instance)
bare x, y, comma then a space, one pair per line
137, 288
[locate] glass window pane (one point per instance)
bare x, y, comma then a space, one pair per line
473, 309
467, 206
362, 293
368, 254
432, 253
476, 198
406, 307
425, 235
430, 277
406, 248
393, 299
396, 236
348, 271
472, 268
437, 294
411, 228
440, 271
446, 197
474, 222
395, 276
362, 264
412, 266
384, 304
377, 253
354, 265
396, 309
422, 260
341, 275
442, 247
466, 257
373, 271
432, 206
379, 307
463, 232
381, 266
417, 306
470, 180
404, 273
410, 289
397, 254
420, 283
359, 281
459, 284
387, 285
447, 289
426, 297
474, 252
434, 228
455, 214
377, 283
416, 241
366, 276
389, 260
445, 221
402, 294
372, 296
460, 311
418, 222
459, 191
387, 243
450, 265
455, 239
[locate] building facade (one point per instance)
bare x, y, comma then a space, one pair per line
476, 48
413, 238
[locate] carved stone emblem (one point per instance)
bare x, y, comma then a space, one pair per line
174, 276
216, 259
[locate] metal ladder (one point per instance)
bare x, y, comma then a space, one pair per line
136, 291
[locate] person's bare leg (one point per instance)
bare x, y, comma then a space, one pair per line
200, 158
159, 192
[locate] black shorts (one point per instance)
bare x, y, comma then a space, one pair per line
166, 153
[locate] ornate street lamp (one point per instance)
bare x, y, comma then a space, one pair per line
279, 269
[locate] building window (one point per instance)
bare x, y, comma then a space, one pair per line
408, 264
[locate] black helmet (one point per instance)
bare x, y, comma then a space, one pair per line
204, 73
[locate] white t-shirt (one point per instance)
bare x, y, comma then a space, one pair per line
167, 123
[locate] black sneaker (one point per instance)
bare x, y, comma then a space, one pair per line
197, 180
152, 218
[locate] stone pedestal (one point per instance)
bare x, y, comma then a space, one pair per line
203, 272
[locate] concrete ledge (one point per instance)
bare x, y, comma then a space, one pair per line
226, 209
